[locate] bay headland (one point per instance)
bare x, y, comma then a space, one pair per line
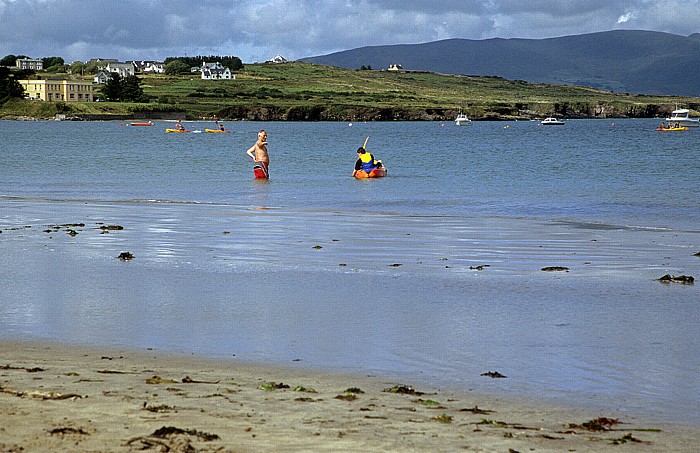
306, 92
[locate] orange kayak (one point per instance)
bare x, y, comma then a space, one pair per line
376, 173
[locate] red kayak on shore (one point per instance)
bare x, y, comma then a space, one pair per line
378, 172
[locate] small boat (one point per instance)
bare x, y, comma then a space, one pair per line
142, 124
217, 131
179, 131
462, 119
378, 172
551, 121
672, 129
682, 117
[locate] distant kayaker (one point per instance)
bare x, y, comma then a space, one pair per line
221, 127
365, 161
258, 152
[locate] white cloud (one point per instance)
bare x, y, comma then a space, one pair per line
625, 18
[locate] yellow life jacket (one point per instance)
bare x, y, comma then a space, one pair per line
368, 162
366, 158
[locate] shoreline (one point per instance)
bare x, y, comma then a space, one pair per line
376, 118
57, 397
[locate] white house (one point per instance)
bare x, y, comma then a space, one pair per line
101, 77
28, 63
149, 67
215, 71
123, 69
154, 67
395, 67
277, 59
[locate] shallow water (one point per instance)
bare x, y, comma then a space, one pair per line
373, 276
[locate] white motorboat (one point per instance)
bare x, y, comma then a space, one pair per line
682, 117
551, 121
462, 119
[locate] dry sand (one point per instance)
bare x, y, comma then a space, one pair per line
61, 398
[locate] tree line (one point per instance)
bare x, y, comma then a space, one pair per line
173, 65
9, 86
124, 89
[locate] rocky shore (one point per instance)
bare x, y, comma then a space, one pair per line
477, 112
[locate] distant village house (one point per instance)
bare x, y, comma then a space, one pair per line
101, 77
215, 71
58, 90
28, 63
123, 69
277, 59
149, 67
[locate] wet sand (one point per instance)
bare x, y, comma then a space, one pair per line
62, 398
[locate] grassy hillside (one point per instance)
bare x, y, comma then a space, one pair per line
622, 60
302, 91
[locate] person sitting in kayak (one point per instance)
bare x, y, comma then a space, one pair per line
365, 161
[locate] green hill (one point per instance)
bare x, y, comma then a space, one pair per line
303, 91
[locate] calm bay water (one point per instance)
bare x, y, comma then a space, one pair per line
375, 275
589, 170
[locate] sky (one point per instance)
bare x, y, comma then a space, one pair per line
257, 30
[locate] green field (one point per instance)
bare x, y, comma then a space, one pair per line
302, 91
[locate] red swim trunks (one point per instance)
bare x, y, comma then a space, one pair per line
261, 170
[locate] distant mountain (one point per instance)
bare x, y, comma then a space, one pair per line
626, 61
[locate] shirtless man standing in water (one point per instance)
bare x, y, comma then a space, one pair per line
258, 152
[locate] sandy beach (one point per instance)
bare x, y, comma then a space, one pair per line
72, 399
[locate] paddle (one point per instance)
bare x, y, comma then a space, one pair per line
381, 165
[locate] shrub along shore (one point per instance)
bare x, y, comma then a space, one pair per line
305, 92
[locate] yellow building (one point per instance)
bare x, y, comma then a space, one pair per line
58, 90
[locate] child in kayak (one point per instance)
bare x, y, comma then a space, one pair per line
365, 161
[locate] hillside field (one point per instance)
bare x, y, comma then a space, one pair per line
304, 91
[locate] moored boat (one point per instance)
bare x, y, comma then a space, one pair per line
142, 124
551, 121
682, 117
462, 119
